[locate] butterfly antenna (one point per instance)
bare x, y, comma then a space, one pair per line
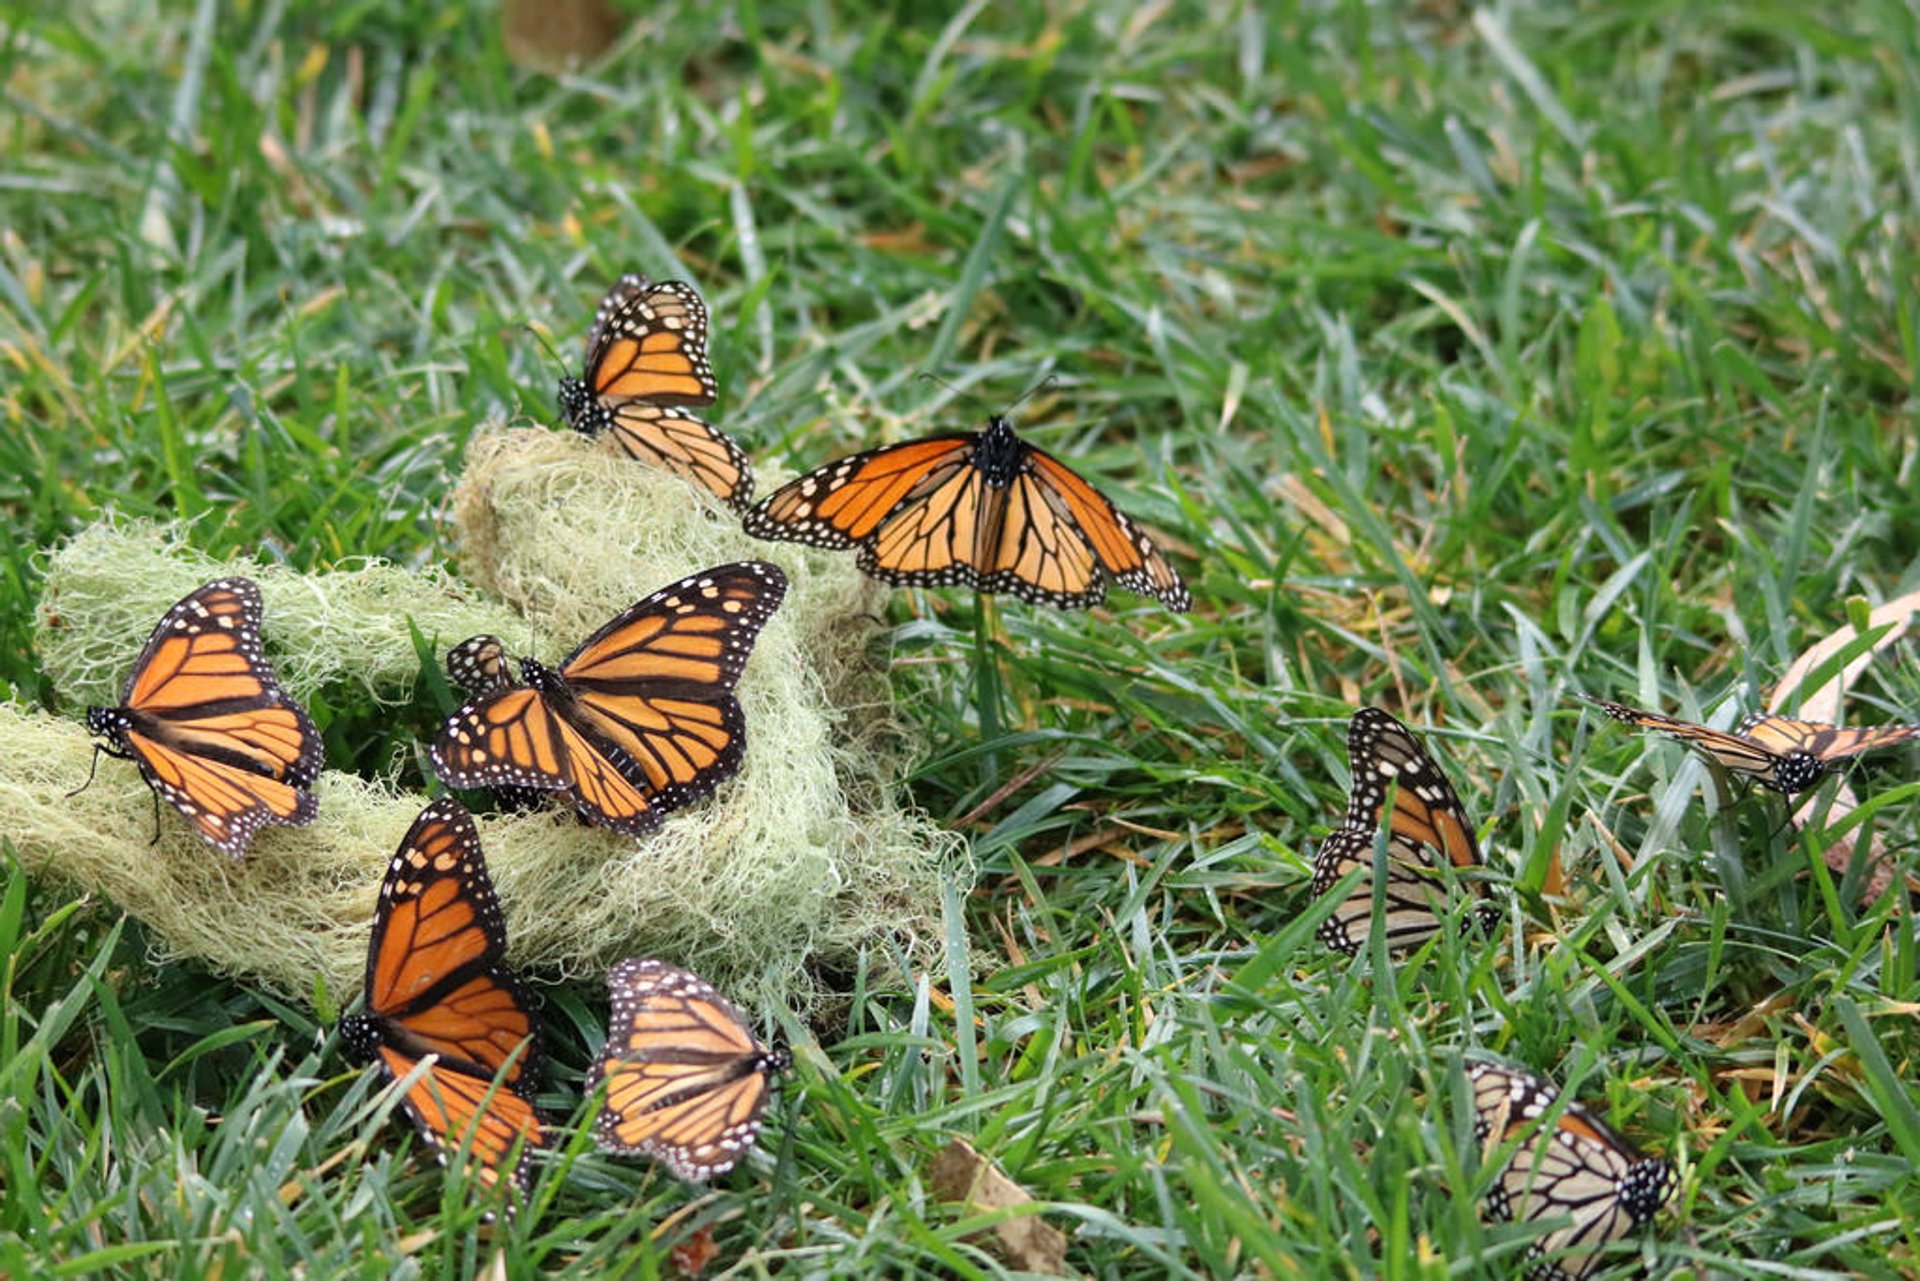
542, 338
1031, 392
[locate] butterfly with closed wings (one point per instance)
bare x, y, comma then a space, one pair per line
686, 1080
1579, 1170
438, 992
639, 720
1426, 828
1777, 752
972, 509
205, 721
646, 360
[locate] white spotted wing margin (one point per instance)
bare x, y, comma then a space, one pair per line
1425, 831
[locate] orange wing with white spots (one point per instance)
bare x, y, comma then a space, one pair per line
640, 719
208, 726
438, 989
686, 1080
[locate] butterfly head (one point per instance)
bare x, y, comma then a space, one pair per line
576, 403
1796, 772
1001, 455
105, 722
1645, 1187
362, 1037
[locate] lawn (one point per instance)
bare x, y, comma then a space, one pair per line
1461, 357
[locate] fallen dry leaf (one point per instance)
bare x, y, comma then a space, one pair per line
1028, 1242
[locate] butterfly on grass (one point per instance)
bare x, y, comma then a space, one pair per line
1426, 828
208, 726
1579, 1171
686, 1079
1778, 752
983, 510
646, 361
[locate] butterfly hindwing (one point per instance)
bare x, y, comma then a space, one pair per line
978, 509
204, 719
1427, 826
437, 987
686, 1080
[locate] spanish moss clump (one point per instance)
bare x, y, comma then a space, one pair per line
804, 859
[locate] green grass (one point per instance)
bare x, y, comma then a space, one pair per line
1463, 358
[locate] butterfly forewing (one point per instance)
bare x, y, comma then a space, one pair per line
206, 722
686, 1080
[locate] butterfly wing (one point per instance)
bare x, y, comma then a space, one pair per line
671, 438
207, 724
437, 985
1082, 512
650, 343
1581, 1170
656, 683
686, 1080
478, 665
1827, 744
845, 502
1788, 770
515, 740
1426, 826
456, 1111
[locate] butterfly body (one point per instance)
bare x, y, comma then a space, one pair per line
637, 721
972, 509
438, 992
1778, 752
207, 724
646, 362
1426, 827
1581, 1169
686, 1080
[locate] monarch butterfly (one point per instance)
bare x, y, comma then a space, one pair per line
1427, 825
437, 991
686, 1081
1779, 752
646, 357
639, 720
1581, 1170
207, 724
972, 509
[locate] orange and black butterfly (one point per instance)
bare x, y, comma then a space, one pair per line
686, 1080
209, 727
972, 509
438, 992
639, 720
1427, 827
1779, 752
1580, 1171
646, 359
